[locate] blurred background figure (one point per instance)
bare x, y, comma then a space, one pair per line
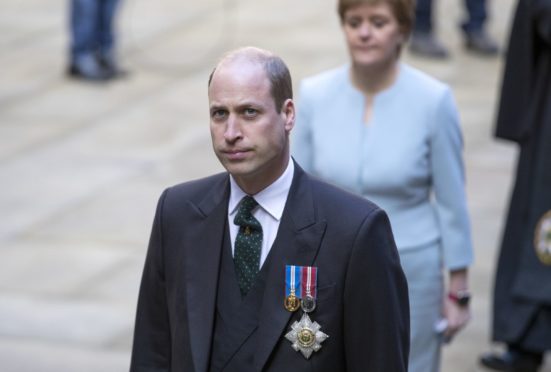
389, 132
522, 293
424, 41
93, 40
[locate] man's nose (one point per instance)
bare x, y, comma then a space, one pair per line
233, 129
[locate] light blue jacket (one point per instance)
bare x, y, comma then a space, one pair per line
407, 159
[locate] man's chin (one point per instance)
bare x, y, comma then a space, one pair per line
238, 169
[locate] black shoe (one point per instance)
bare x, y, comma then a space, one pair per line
512, 361
88, 69
481, 43
425, 44
75, 73
111, 67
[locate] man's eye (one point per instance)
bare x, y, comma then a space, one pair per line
250, 112
218, 114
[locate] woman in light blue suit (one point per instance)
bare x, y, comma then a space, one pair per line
385, 130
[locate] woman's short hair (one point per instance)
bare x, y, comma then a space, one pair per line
404, 10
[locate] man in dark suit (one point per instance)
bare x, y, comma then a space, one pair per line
216, 293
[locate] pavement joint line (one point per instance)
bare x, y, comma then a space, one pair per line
63, 207
139, 49
14, 100
67, 239
67, 344
193, 135
29, 38
93, 121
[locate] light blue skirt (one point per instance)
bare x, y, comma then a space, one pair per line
423, 269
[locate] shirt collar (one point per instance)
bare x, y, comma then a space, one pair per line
272, 199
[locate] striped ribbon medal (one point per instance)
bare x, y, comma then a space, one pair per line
301, 291
292, 287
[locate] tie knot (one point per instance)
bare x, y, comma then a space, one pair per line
244, 216
247, 204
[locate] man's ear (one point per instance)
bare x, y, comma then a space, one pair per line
288, 111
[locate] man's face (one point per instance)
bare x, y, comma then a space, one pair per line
249, 136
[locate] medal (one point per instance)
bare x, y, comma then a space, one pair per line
301, 291
292, 303
308, 304
309, 285
542, 239
292, 282
306, 336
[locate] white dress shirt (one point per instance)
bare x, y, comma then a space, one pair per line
271, 202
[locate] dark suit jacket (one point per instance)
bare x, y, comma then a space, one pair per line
362, 292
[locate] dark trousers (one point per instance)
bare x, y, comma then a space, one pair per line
476, 15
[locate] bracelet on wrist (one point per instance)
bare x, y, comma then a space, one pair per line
462, 298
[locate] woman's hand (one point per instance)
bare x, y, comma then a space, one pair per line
456, 312
457, 316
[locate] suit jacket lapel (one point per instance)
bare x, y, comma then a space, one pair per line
204, 247
297, 243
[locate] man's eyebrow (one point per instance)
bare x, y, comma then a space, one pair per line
216, 107
249, 104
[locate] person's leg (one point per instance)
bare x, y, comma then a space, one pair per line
106, 26
106, 36
423, 41
423, 16
422, 268
526, 353
476, 38
476, 16
82, 27
515, 359
83, 63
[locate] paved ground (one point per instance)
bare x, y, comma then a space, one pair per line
82, 165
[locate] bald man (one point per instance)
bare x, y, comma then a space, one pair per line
263, 268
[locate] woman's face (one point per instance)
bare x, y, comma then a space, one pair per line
373, 34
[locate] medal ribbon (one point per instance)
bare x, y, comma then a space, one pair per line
292, 280
309, 280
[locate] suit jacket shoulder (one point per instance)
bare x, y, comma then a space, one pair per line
195, 189
334, 200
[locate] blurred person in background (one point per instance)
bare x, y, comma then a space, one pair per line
93, 40
424, 41
390, 133
522, 293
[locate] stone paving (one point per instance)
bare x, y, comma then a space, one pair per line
82, 165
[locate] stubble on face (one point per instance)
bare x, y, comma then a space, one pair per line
249, 136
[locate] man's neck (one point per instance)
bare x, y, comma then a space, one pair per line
253, 185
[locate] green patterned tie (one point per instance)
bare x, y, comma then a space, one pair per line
248, 244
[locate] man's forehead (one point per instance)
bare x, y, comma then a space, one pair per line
246, 55
239, 76
242, 66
